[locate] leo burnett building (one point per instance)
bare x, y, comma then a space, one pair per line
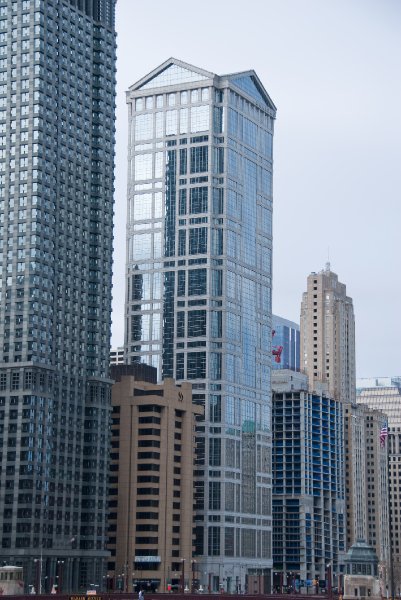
198, 299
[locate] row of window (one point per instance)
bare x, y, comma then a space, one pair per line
171, 99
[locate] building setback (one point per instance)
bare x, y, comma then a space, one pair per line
198, 293
151, 492
328, 336
57, 90
308, 483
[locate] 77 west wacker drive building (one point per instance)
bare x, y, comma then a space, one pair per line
198, 293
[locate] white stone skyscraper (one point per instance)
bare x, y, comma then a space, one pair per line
57, 96
328, 336
198, 296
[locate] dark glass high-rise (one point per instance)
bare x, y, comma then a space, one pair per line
57, 104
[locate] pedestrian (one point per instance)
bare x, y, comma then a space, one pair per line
140, 595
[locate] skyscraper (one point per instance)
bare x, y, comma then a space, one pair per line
57, 89
384, 394
308, 482
151, 483
366, 483
328, 336
198, 299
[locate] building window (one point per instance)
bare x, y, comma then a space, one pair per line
199, 159
214, 541
196, 323
196, 365
198, 240
214, 495
198, 200
214, 452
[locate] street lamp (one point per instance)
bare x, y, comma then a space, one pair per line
193, 563
329, 582
60, 565
38, 562
279, 579
182, 574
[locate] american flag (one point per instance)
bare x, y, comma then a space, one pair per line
383, 434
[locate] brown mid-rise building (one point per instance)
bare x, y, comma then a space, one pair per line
151, 485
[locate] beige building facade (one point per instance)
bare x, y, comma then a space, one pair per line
328, 336
151, 486
366, 484
384, 394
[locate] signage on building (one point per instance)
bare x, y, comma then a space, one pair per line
147, 559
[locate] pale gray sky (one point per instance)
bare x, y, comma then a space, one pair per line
332, 67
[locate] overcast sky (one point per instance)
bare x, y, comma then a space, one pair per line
333, 69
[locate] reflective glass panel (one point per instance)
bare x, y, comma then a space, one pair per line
158, 165
172, 75
158, 205
196, 325
143, 166
199, 118
171, 122
197, 282
198, 200
157, 244
142, 207
143, 127
248, 85
196, 365
142, 246
157, 286
184, 120
198, 240
199, 159
159, 125
156, 326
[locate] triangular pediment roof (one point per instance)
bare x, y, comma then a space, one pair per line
171, 72
249, 82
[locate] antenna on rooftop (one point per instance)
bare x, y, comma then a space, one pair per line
328, 259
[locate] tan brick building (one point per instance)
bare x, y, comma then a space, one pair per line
366, 483
151, 485
384, 394
328, 336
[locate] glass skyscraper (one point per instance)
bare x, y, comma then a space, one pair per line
57, 92
198, 299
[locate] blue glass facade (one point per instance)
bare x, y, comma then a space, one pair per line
200, 164
285, 344
308, 486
